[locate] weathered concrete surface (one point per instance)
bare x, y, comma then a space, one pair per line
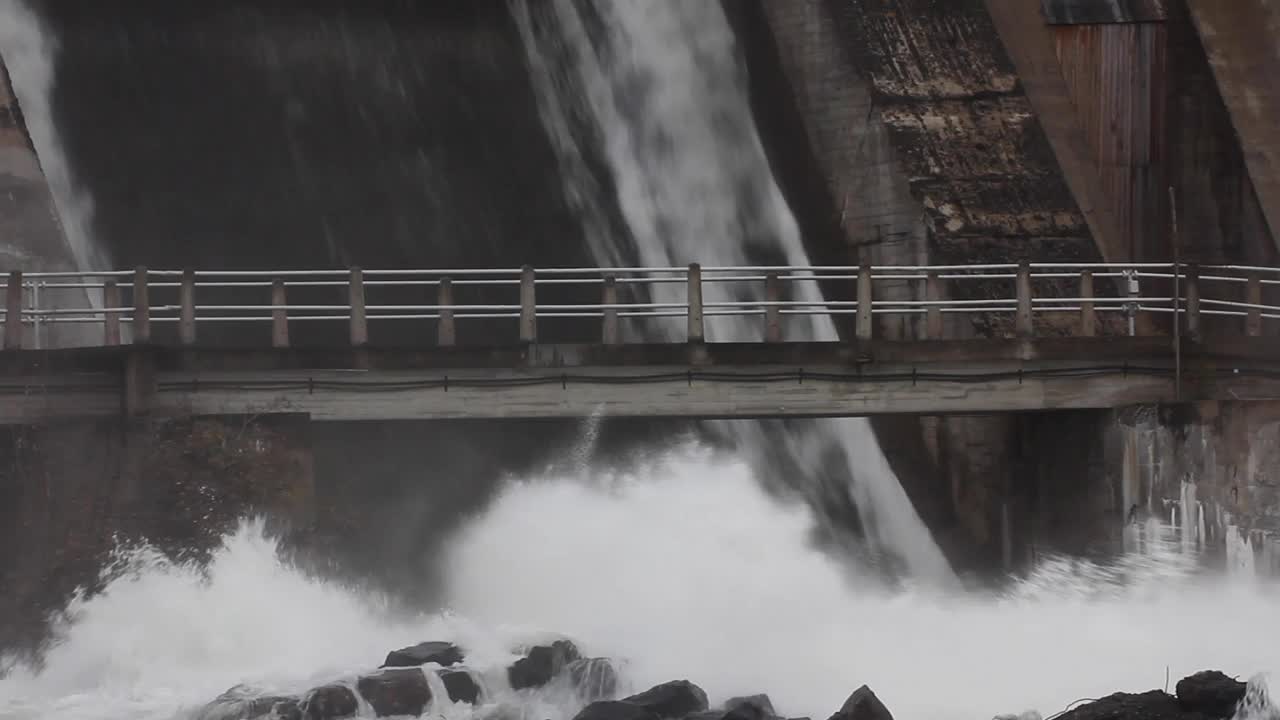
1239, 38
1210, 472
68, 491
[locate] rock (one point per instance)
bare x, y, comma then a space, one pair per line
1211, 693
329, 701
541, 663
401, 691
750, 707
593, 678
441, 653
614, 710
460, 686
1154, 705
239, 704
674, 699
863, 705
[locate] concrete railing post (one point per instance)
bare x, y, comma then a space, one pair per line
187, 308
1023, 321
1253, 297
1191, 285
1088, 319
610, 332
772, 311
446, 331
111, 312
141, 307
863, 325
528, 305
697, 330
279, 314
355, 298
13, 311
933, 313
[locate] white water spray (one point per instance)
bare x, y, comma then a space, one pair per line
662, 83
683, 568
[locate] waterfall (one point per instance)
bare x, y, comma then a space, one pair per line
658, 92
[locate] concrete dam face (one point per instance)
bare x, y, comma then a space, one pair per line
469, 134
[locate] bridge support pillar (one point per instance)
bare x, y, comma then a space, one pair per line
139, 383
862, 322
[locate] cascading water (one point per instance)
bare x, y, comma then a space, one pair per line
29, 54
664, 96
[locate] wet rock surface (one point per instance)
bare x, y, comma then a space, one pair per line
460, 686
441, 653
328, 702
541, 663
553, 668
863, 705
400, 691
1210, 692
674, 699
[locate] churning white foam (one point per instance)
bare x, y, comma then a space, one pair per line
684, 568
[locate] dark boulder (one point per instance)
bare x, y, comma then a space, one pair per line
329, 702
749, 707
863, 705
1210, 693
1154, 705
614, 710
674, 699
441, 653
460, 686
593, 678
541, 663
401, 691
238, 704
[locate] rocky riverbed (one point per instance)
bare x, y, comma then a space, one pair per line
433, 679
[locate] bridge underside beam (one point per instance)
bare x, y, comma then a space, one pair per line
709, 381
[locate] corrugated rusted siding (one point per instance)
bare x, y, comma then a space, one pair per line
1116, 77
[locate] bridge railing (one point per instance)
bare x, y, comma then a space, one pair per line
1013, 299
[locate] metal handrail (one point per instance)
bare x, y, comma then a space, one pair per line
39, 299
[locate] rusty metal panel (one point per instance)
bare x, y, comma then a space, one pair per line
1116, 76
1086, 12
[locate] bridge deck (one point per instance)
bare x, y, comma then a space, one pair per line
726, 380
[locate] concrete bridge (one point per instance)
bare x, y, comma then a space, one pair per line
1131, 334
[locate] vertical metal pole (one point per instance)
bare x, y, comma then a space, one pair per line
355, 298
933, 313
862, 322
279, 314
446, 332
772, 312
1131, 307
528, 305
187, 308
1088, 320
610, 332
697, 332
1253, 296
13, 311
111, 314
1024, 324
1193, 302
141, 307
36, 316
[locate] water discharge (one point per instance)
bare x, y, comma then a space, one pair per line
682, 567
661, 92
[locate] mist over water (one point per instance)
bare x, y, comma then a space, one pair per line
682, 568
